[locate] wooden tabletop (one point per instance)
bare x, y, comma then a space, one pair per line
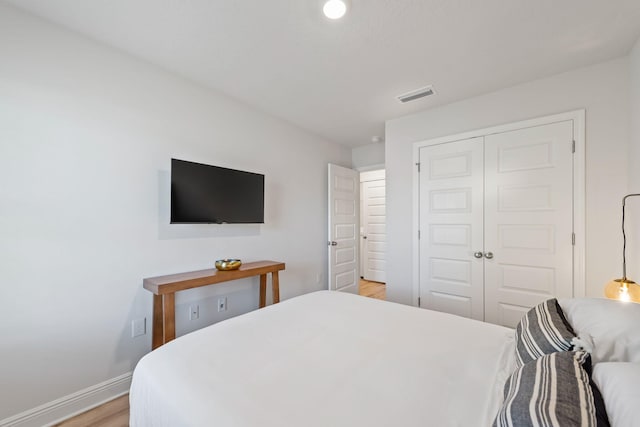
178, 282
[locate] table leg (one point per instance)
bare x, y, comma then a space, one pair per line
275, 287
169, 317
158, 327
263, 290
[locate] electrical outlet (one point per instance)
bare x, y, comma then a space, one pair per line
138, 327
222, 304
194, 312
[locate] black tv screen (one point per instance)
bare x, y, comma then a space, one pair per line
204, 194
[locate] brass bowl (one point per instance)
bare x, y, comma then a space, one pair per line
228, 264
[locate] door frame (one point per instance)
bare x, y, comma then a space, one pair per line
579, 189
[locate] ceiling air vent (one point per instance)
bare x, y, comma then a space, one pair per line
416, 94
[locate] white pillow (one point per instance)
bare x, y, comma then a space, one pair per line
612, 326
618, 384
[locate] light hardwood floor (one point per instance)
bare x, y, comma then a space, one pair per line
111, 414
116, 412
375, 290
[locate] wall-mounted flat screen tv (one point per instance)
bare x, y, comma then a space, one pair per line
205, 194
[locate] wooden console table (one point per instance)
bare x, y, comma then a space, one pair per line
165, 287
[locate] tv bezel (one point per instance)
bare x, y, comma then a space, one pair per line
171, 196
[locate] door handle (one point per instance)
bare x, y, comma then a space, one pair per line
364, 237
332, 243
488, 255
478, 254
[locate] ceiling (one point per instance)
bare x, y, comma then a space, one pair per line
339, 79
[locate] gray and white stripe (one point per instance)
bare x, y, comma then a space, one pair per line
542, 331
553, 391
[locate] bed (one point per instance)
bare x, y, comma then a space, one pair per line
334, 359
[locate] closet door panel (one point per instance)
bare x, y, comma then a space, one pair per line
528, 219
450, 218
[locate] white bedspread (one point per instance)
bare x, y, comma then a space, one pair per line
327, 359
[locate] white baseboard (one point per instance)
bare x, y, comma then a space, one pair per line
73, 404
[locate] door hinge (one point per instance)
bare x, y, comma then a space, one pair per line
418, 234
573, 146
573, 239
418, 301
418, 165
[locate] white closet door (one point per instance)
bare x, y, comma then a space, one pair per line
528, 219
375, 231
451, 221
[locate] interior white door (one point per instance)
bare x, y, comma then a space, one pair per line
374, 233
451, 227
344, 218
528, 219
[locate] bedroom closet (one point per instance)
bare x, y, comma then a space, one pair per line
373, 231
496, 219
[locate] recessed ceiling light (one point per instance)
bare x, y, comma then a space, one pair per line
334, 9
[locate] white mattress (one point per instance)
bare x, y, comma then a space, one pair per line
327, 359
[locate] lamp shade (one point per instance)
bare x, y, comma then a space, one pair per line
623, 290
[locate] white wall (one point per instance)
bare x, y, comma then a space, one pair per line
368, 157
86, 137
634, 158
633, 206
603, 90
